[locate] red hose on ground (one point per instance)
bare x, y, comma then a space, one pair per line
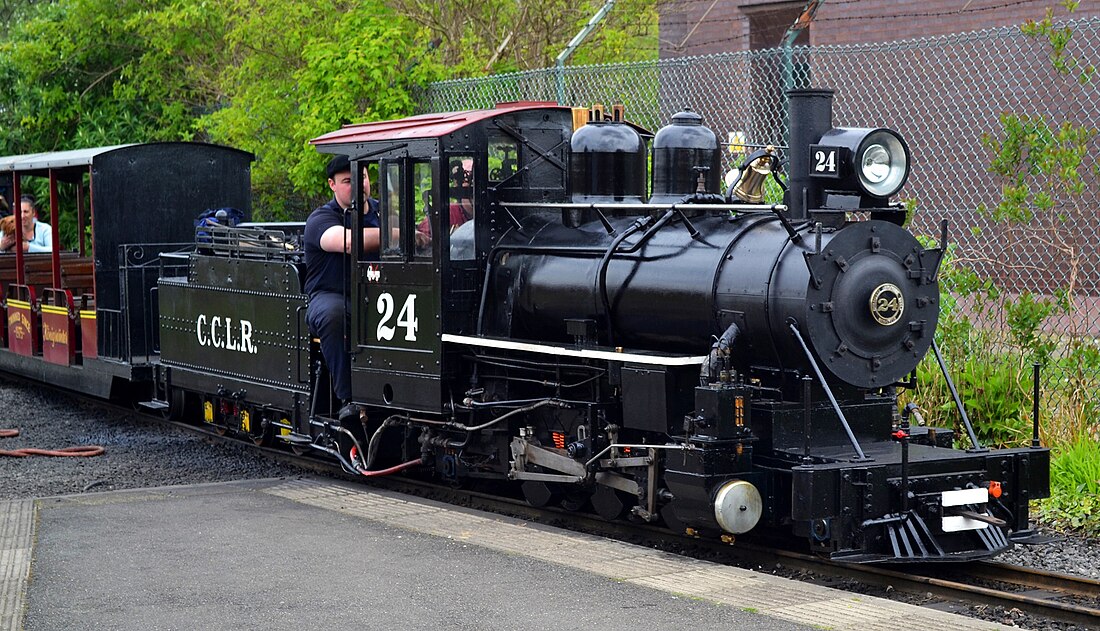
389, 471
86, 451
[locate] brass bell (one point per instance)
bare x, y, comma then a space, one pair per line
751, 187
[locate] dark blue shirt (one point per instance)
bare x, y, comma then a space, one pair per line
328, 271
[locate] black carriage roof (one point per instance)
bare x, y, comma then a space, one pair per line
32, 163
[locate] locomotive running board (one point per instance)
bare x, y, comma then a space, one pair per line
584, 353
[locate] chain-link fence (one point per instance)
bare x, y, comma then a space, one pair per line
943, 94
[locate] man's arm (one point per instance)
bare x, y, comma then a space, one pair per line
338, 239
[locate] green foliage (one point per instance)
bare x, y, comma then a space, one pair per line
1041, 165
1059, 39
1075, 486
290, 85
991, 369
1024, 317
77, 75
478, 37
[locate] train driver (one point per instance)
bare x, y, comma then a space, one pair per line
327, 244
36, 234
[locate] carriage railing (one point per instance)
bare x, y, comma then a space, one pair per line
131, 332
268, 241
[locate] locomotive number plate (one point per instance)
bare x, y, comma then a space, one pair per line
887, 304
406, 318
825, 161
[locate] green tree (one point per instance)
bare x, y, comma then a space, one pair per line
268, 75
80, 74
341, 62
479, 37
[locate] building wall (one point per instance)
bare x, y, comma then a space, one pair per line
703, 27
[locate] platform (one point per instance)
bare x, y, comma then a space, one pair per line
317, 553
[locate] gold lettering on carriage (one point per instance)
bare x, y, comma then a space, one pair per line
18, 324
54, 335
220, 332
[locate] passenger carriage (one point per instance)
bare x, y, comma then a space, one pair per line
85, 318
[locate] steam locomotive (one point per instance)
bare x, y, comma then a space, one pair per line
693, 356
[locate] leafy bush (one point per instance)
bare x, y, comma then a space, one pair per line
1075, 487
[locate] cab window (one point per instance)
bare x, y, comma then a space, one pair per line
425, 215
503, 153
461, 215
369, 190
391, 211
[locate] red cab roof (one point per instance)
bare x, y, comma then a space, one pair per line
423, 126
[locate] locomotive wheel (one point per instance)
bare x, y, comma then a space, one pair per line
177, 405
539, 494
611, 504
574, 499
672, 522
266, 436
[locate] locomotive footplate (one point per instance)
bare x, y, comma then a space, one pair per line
941, 505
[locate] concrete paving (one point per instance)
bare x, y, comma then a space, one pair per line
312, 553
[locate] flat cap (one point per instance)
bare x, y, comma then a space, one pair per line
338, 164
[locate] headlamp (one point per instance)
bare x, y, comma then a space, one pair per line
870, 162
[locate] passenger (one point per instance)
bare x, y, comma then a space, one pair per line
36, 234
327, 244
461, 208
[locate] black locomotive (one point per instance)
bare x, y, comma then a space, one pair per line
688, 354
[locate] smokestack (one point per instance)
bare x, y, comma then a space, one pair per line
811, 115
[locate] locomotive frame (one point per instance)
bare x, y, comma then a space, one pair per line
720, 366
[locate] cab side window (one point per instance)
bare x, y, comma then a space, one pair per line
369, 189
503, 155
391, 211
425, 212
462, 215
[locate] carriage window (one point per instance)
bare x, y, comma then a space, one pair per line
503, 154
422, 200
391, 211
460, 198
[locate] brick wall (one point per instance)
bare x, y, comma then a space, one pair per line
703, 27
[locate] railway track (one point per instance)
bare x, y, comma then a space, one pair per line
1066, 598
